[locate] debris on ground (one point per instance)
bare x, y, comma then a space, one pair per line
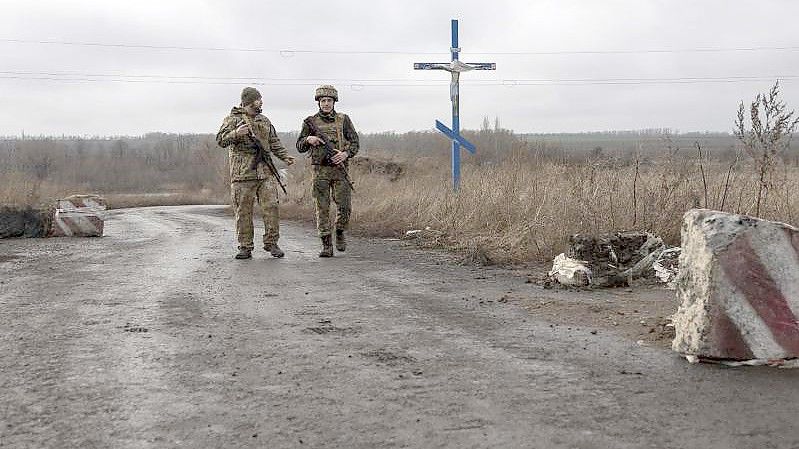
428, 238
667, 266
738, 285
571, 272
778, 363
426, 233
611, 260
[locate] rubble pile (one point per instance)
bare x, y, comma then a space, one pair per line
613, 260
25, 221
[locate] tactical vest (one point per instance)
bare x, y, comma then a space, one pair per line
260, 126
334, 133
242, 153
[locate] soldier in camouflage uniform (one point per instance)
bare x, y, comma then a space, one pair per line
248, 184
329, 180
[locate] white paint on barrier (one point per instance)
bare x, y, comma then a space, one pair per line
86, 206
61, 228
79, 215
753, 330
781, 265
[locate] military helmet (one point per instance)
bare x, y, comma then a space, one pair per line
326, 90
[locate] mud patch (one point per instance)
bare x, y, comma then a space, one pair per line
642, 314
331, 330
8, 257
389, 358
326, 327
308, 310
134, 328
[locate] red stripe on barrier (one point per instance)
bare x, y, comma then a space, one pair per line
56, 231
73, 227
748, 274
726, 337
98, 224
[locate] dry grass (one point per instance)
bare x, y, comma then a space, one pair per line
123, 200
17, 189
518, 204
524, 209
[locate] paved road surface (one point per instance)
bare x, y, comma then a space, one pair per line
154, 337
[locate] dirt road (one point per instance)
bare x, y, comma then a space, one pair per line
154, 337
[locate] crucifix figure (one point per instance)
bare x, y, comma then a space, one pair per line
455, 67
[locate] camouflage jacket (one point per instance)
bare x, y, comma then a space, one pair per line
241, 148
338, 130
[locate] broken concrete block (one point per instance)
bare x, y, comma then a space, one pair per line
616, 258
25, 221
79, 216
567, 271
739, 286
667, 266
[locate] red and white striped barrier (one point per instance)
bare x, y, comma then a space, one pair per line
79, 216
739, 286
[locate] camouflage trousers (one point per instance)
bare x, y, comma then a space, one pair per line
329, 183
243, 195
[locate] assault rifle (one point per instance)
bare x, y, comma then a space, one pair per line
329, 150
261, 155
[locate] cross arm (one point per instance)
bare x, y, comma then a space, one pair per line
455, 66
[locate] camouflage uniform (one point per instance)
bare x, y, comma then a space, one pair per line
246, 184
329, 178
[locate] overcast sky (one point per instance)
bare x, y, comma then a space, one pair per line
53, 82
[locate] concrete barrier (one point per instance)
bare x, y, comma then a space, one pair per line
79, 216
739, 287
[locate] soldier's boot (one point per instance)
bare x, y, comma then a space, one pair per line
327, 247
274, 250
244, 253
341, 241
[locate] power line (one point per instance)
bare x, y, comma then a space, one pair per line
362, 83
197, 77
643, 51
291, 52
390, 80
284, 52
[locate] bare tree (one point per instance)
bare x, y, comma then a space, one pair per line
770, 134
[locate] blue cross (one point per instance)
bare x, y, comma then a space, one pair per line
455, 67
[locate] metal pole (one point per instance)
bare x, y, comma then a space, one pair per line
455, 97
